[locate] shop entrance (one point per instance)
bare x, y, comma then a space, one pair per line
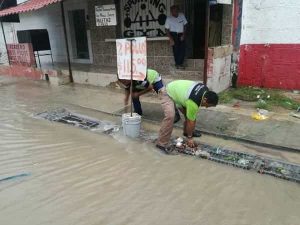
79, 38
79, 34
195, 12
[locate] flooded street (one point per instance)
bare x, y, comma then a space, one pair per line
84, 178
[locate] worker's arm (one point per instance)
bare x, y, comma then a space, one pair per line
184, 28
138, 94
167, 26
191, 115
190, 127
126, 99
170, 37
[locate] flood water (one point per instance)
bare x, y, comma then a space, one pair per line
79, 177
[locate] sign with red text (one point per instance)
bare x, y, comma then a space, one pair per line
139, 58
21, 54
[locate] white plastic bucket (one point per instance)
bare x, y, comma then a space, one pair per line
131, 124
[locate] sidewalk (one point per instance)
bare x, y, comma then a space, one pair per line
279, 130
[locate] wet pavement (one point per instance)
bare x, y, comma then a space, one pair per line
74, 176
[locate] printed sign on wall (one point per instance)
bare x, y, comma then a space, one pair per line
144, 18
21, 54
105, 15
139, 62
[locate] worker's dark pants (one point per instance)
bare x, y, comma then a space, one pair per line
136, 101
178, 48
137, 106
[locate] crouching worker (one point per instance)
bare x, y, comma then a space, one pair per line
188, 97
152, 81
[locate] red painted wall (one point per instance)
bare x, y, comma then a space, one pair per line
271, 66
21, 71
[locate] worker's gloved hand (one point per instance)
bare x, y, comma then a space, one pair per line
190, 143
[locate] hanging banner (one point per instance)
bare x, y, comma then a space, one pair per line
139, 55
21, 54
105, 15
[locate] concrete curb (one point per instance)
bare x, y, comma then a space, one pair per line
273, 133
213, 128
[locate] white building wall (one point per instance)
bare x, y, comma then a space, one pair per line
271, 21
46, 18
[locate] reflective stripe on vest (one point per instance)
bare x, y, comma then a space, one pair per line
197, 93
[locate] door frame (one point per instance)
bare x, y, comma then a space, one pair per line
77, 5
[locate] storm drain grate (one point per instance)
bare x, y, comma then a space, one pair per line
262, 165
225, 156
77, 120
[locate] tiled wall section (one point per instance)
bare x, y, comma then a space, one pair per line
160, 55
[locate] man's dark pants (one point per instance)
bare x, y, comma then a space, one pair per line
137, 106
178, 48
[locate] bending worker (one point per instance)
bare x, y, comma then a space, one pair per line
152, 81
188, 97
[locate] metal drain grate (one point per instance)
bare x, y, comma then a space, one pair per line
262, 165
77, 120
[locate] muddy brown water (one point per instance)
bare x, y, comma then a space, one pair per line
79, 177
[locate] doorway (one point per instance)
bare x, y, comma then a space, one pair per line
79, 38
78, 33
195, 12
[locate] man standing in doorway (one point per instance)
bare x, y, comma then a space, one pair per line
176, 31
